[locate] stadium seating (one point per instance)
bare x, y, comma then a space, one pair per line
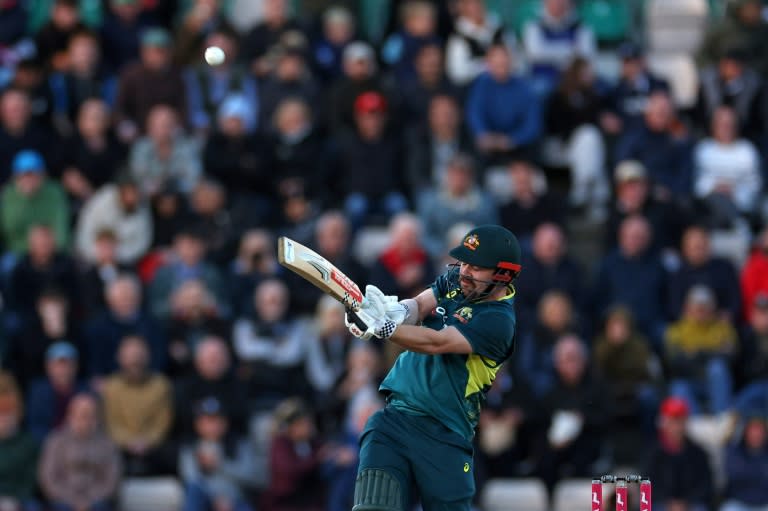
675, 26
150, 494
680, 70
518, 494
571, 495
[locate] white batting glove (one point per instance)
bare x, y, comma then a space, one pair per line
395, 311
369, 321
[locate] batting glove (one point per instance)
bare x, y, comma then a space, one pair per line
363, 325
394, 310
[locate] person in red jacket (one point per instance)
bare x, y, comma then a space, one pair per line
754, 275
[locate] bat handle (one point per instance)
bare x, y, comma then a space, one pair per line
352, 315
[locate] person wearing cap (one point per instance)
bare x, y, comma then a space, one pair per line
48, 397
120, 208
153, 80
32, 199
754, 274
742, 25
680, 469
456, 335
698, 349
19, 451
746, 462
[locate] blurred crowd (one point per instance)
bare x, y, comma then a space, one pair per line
147, 329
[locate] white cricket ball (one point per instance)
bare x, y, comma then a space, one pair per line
214, 56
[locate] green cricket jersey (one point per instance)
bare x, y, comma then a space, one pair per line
451, 387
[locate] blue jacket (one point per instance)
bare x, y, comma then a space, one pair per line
747, 473
104, 333
45, 408
717, 274
510, 107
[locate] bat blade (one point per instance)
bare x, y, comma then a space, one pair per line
320, 272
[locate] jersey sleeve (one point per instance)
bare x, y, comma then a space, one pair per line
442, 285
490, 333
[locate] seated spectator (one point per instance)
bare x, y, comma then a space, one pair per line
186, 261
165, 156
220, 223
754, 275
294, 461
698, 266
530, 203
745, 459
578, 408
195, 315
270, 345
743, 25
122, 317
96, 276
201, 21
370, 163
753, 341
80, 466
571, 120
663, 146
547, 268
138, 411
430, 145
255, 261
216, 467
628, 98
31, 76
290, 78
634, 195
404, 267
727, 171
338, 30
41, 267
474, 31
554, 319
19, 452
151, 81
459, 198
52, 38
503, 113
632, 276
213, 375
276, 22
89, 158
120, 32
209, 86
681, 472
17, 131
699, 348
553, 39
120, 208
32, 198
417, 28
428, 81
48, 397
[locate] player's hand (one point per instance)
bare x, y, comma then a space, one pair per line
365, 325
376, 299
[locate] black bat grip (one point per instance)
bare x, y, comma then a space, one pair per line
352, 315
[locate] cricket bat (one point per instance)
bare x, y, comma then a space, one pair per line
316, 269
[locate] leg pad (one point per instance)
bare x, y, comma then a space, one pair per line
377, 490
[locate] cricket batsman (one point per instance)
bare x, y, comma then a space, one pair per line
456, 334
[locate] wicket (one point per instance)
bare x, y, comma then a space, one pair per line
621, 491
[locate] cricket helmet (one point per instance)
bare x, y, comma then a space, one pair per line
490, 246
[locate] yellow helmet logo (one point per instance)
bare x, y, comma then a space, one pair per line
471, 242
466, 467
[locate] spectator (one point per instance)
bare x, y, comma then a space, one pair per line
404, 267
186, 261
13, 24
578, 410
503, 113
431, 145
124, 23
459, 198
417, 29
121, 209
742, 26
52, 39
270, 345
276, 25
632, 276
338, 30
212, 375
628, 99
699, 266
727, 171
18, 455
88, 159
294, 462
548, 267
165, 156
370, 163
552, 40
474, 31
681, 472
32, 198
699, 348
220, 223
122, 317
31, 76
754, 341
145, 84
332, 240
731, 83
428, 81
202, 19
745, 459
530, 202
754, 275
96, 276
138, 411
571, 120
255, 261
291, 78
48, 397
208, 86
662, 145
17, 132
80, 466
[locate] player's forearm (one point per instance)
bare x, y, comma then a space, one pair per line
433, 342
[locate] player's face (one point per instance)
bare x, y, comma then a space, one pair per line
474, 279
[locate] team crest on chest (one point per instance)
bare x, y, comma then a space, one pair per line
464, 314
471, 242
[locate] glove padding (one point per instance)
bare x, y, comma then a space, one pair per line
392, 308
370, 320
